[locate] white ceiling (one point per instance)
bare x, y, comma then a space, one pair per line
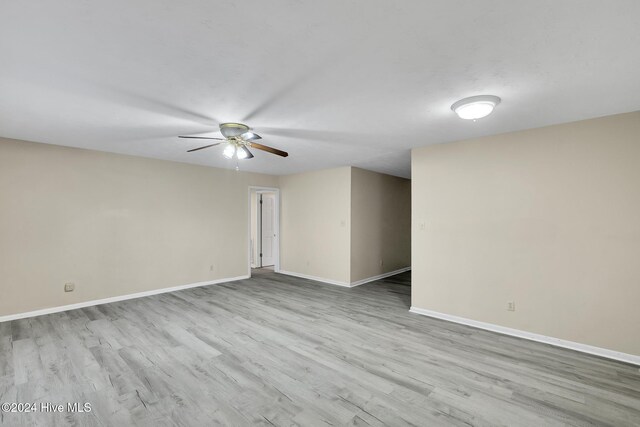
332, 82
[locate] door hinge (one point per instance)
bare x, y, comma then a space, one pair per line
260, 255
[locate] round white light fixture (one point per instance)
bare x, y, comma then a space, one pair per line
475, 107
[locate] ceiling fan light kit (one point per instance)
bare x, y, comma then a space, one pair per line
475, 107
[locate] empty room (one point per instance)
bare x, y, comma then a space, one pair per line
320, 213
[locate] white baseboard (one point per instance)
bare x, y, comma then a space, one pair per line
345, 284
115, 299
379, 276
584, 348
317, 279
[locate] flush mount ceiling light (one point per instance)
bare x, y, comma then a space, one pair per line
475, 107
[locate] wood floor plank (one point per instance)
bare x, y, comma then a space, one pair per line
277, 350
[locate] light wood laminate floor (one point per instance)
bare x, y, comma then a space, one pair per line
278, 350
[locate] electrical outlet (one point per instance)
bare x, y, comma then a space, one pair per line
381, 262
211, 267
69, 287
511, 306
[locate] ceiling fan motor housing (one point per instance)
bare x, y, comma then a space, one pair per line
230, 130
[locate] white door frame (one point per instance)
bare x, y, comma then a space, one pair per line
276, 225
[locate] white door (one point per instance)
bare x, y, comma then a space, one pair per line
268, 228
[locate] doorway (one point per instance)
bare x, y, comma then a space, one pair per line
264, 228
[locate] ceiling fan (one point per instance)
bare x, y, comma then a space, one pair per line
238, 139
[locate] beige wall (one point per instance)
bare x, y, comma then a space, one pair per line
315, 223
380, 223
113, 224
337, 224
548, 218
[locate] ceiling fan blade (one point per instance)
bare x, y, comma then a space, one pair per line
200, 137
250, 136
206, 146
269, 149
